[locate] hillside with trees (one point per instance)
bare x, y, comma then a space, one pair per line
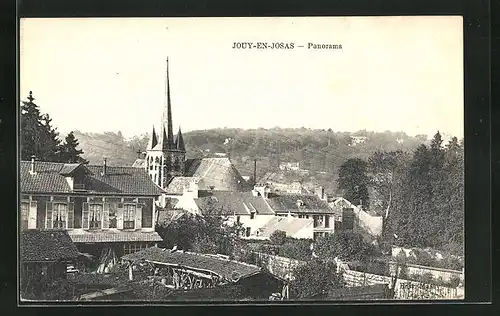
322, 152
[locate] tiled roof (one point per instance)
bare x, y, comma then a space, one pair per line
312, 203
177, 185
139, 163
289, 225
46, 245
238, 203
118, 180
217, 172
338, 204
226, 268
166, 217
82, 236
68, 168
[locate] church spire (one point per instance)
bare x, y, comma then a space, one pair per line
179, 141
153, 140
167, 115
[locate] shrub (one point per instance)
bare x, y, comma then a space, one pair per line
454, 281
316, 277
278, 237
299, 249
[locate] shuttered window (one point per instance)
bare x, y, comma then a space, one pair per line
95, 216
85, 215
48, 214
129, 212
71, 215
32, 215
25, 208
113, 208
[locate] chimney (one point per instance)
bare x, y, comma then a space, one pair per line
32, 165
104, 167
255, 171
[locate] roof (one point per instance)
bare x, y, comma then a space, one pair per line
338, 204
178, 184
288, 202
82, 236
226, 268
218, 173
290, 225
238, 203
50, 177
46, 245
139, 163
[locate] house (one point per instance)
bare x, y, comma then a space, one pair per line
300, 228
325, 219
165, 159
244, 208
100, 207
290, 166
44, 255
293, 187
193, 275
356, 140
354, 217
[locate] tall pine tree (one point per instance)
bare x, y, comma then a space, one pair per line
38, 138
69, 150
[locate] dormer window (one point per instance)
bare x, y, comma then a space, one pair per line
300, 203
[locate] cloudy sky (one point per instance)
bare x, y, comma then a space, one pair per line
393, 73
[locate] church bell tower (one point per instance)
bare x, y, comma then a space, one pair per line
166, 154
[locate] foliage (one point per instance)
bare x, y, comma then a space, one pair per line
59, 290
345, 245
431, 210
69, 151
354, 180
317, 277
210, 233
278, 237
315, 150
40, 138
299, 249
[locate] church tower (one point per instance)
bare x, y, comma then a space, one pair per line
165, 155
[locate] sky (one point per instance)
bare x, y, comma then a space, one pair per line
108, 74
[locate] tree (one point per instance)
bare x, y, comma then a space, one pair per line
207, 233
278, 237
315, 278
344, 245
353, 179
69, 152
38, 137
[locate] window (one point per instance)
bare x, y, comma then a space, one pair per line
129, 216
247, 231
112, 214
60, 215
238, 219
327, 221
133, 247
95, 216
25, 208
252, 215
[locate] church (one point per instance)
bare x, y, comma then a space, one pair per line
165, 162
